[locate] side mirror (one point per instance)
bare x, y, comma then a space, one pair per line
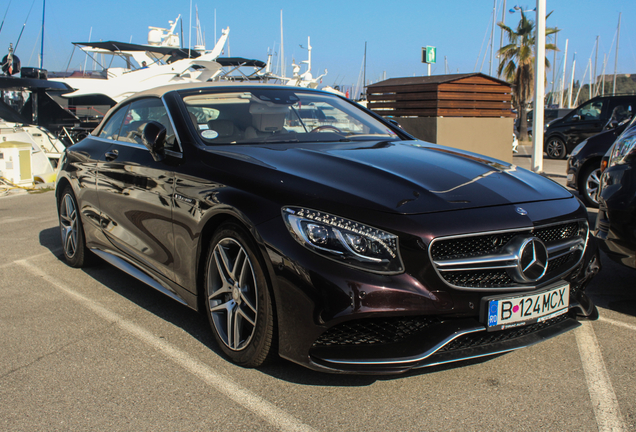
395, 123
576, 117
154, 138
613, 124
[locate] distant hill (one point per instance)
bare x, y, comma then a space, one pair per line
625, 84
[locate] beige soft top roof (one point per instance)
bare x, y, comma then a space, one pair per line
160, 91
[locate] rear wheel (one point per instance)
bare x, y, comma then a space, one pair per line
71, 230
589, 183
555, 148
238, 300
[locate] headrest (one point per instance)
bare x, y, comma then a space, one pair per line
268, 117
224, 128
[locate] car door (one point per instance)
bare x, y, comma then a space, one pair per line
586, 121
135, 191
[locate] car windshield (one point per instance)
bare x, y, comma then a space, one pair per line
280, 116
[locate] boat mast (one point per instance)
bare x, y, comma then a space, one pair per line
492, 38
42, 42
616, 61
565, 65
501, 37
282, 49
572, 81
364, 77
5, 17
594, 75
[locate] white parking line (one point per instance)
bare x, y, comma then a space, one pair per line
50, 252
604, 402
269, 412
618, 323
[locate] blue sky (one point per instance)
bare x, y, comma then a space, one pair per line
395, 31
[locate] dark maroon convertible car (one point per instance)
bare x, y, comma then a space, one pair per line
308, 227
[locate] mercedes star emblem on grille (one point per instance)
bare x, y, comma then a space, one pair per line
533, 261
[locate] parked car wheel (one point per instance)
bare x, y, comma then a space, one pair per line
555, 148
589, 184
71, 229
238, 302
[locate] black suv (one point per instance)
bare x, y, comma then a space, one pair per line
549, 114
590, 118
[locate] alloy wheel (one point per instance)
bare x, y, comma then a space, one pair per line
592, 183
555, 149
232, 294
68, 225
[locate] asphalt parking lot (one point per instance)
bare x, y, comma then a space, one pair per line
94, 349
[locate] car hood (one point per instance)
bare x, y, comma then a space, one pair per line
407, 177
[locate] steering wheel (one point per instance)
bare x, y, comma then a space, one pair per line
326, 127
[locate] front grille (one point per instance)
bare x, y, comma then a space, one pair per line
473, 340
559, 232
470, 246
484, 261
479, 278
374, 331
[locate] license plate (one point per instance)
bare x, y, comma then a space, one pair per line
524, 309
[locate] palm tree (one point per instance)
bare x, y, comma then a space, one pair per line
517, 64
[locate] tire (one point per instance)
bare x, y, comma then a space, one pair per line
589, 182
76, 254
238, 302
555, 148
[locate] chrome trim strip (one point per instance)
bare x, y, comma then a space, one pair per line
176, 134
138, 274
491, 260
412, 359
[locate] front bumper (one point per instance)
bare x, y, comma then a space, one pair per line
341, 320
442, 342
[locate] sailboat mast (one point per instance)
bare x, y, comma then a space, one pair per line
364, 76
282, 49
501, 37
565, 64
42, 42
618, 36
572, 81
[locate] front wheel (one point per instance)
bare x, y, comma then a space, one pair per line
238, 300
76, 253
589, 183
555, 148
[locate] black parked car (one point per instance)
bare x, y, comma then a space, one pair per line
549, 114
347, 246
584, 164
616, 220
590, 118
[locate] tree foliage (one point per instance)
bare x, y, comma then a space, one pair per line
517, 63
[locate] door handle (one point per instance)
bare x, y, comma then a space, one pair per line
111, 155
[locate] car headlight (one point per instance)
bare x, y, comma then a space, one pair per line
624, 148
578, 148
344, 240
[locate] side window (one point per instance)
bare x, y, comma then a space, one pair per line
591, 111
112, 127
622, 112
140, 113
